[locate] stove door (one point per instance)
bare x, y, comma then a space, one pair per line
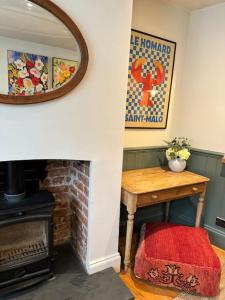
25, 248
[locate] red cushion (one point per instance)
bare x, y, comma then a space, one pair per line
178, 256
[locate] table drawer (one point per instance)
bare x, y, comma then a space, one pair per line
170, 194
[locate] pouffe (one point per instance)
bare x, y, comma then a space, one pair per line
178, 256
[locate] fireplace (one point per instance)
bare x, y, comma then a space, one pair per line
26, 232
43, 203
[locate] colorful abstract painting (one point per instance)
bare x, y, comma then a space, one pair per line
63, 71
27, 73
150, 76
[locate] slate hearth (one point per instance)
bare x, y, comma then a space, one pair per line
72, 283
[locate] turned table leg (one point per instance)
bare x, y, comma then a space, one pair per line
167, 211
131, 209
199, 209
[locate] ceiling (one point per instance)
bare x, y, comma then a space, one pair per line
23, 20
195, 4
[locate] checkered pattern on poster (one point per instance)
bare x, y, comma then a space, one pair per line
160, 93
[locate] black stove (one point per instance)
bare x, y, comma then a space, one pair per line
26, 233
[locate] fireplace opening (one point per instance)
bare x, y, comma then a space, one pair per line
43, 203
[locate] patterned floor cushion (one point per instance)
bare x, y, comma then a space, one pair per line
178, 256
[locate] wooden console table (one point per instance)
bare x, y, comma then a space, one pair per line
144, 187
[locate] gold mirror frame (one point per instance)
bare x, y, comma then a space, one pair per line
54, 94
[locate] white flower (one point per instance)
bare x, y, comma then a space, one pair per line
44, 77
35, 72
19, 64
39, 88
39, 64
170, 154
184, 154
23, 73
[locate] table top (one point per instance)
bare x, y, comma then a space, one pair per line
148, 180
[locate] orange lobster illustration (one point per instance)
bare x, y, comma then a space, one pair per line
148, 82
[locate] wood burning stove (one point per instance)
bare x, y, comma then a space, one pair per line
26, 233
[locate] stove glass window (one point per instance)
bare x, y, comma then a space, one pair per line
23, 243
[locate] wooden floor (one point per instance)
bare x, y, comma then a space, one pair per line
145, 291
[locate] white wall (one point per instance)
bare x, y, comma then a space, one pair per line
87, 123
200, 110
164, 20
33, 48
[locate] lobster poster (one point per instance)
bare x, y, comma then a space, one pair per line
150, 75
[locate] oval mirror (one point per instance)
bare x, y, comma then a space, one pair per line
43, 55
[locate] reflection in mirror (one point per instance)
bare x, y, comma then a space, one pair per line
38, 52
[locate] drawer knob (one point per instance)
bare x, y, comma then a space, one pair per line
154, 197
194, 189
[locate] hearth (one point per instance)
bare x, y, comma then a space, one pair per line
26, 232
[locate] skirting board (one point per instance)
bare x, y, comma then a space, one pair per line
113, 261
217, 236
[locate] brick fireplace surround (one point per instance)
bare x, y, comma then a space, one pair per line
69, 183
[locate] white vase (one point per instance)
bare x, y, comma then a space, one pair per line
177, 165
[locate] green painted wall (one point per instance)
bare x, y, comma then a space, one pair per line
202, 162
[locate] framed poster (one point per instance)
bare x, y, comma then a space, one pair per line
27, 73
63, 70
150, 73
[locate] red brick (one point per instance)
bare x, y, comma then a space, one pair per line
61, 239
62, 196
58, 180
83, 179
69, 182
59, 189
73, 190
58, 219
83, 198
66, 163
61, 201
53, 164
85, 211
58, 172
86, 169
85, 231
75, 205
83, 219
86, 191
79, 185
46, 182
62, 227
60, 211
